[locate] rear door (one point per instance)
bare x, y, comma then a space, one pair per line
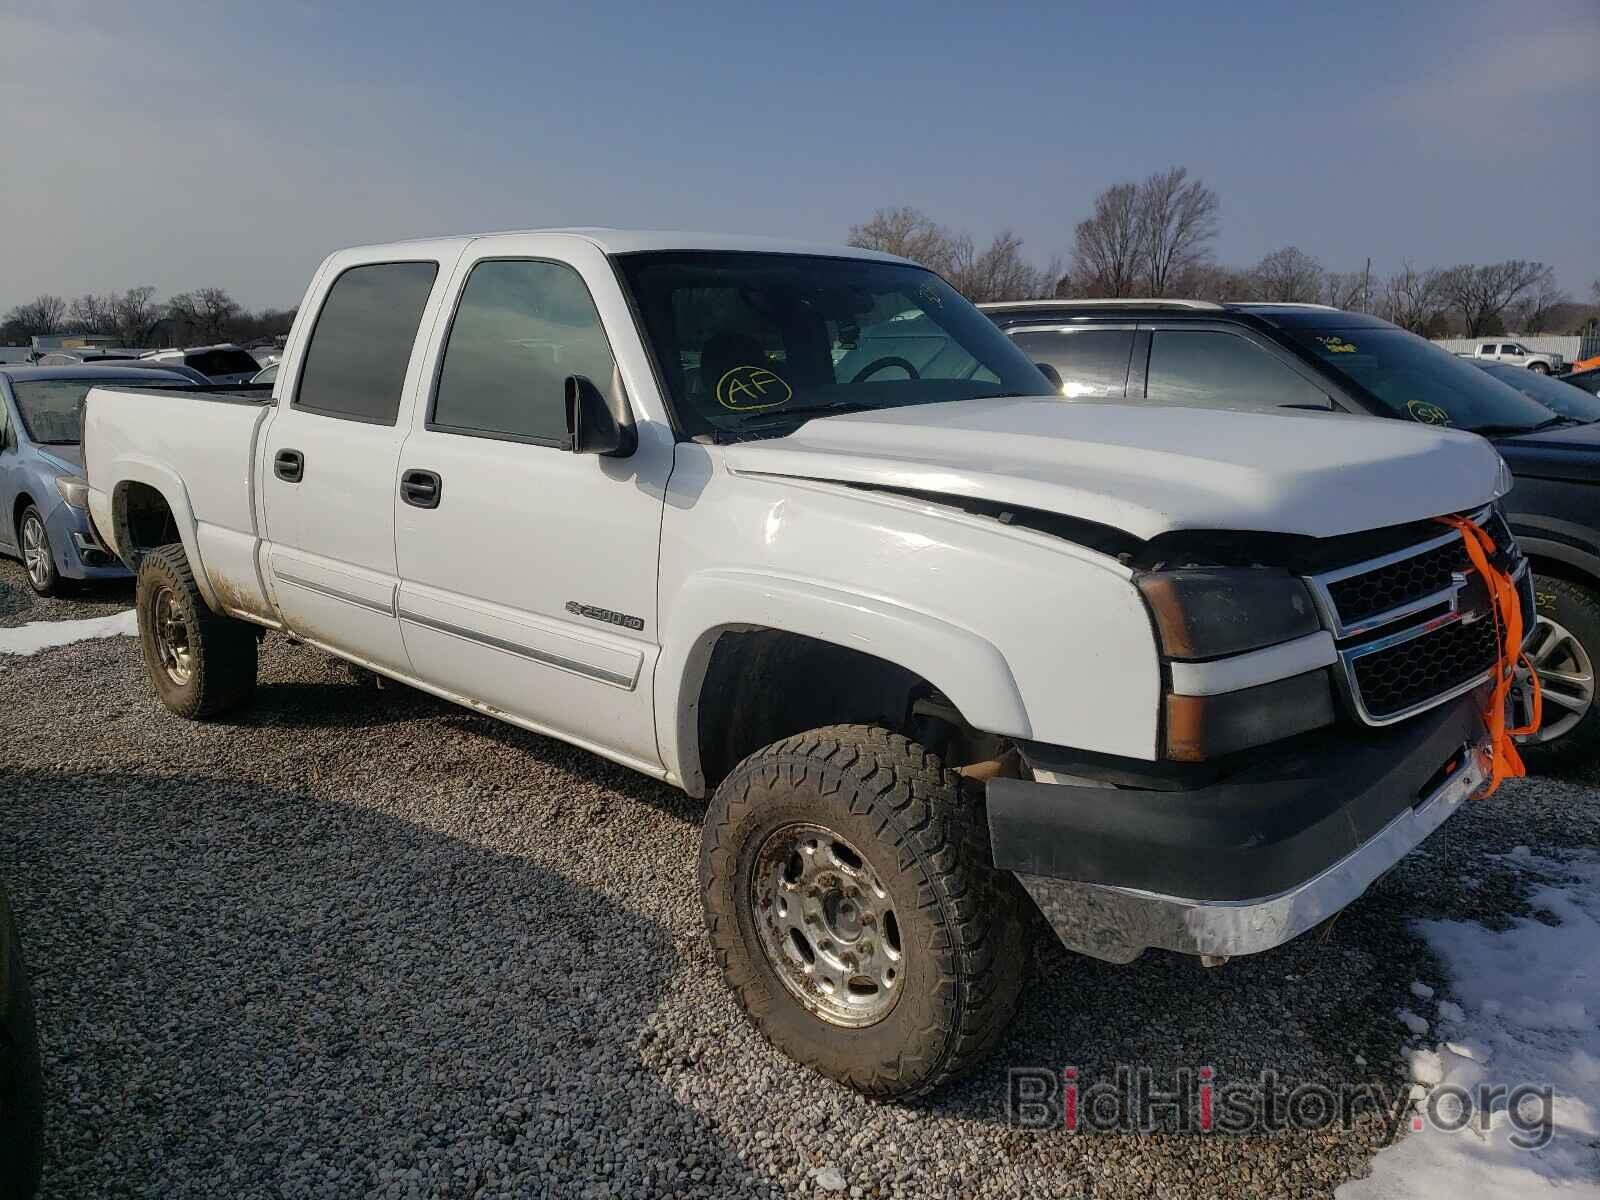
528, 572
1092, 360
330, 453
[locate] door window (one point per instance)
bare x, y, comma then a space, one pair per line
521, 329
356, 361
1208, 369
1091, 362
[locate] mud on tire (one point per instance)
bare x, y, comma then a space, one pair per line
957, 924
202, 664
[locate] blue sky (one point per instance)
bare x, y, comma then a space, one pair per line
183, 145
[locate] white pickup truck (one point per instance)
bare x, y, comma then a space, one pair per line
1515, 354
933, 642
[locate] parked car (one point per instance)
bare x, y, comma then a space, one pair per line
1552, 391
224, 364
1207, 674
1588, 381
267, 375
1278, 356
21, 1090
71, 358
1517, 355
46, 521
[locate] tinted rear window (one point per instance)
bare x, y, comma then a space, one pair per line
356, 361
221, 362
1091, 362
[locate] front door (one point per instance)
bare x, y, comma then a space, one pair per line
528, 572
331, 450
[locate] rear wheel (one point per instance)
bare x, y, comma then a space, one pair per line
201, 664
855, 913
37, 556
1564, 648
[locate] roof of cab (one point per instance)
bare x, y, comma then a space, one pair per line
633, 241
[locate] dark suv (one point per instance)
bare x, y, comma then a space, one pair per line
1195, 353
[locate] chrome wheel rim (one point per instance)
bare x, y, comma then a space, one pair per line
36, 550
171, 634
827, 925
1566, 681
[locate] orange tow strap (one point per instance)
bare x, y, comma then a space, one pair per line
1506, 609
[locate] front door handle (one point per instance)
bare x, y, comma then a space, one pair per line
289, 465
421, 489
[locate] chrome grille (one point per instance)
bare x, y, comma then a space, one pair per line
1413, 628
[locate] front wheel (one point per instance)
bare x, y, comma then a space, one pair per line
854, 910
37, 556
1564, 648
1539, 368
201, 663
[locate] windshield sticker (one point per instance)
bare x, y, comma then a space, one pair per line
1334, 344
1428, 414
752, 389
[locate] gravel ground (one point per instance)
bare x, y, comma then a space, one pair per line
358, 942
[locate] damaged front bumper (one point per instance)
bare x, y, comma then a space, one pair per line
1243, 864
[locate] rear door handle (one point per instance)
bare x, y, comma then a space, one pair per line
289, 465
421, 489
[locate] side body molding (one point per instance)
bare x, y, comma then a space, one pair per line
964, 666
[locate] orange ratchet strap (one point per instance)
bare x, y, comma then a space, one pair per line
1506, 609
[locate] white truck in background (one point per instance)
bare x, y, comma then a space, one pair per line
1504, 350
935, 643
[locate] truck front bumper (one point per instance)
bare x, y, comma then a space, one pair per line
1244, 864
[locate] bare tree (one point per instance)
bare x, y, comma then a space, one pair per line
1481, 294
910, 233
1531, 312
1413, 299
1177, 223
208, 311
137, 315
93, 314
39, 317
1107, 248
1594, 291
1351, 290
998, 273
1289, 274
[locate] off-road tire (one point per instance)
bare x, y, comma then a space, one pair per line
1576, 608
223, 650
927, 839
21, 1083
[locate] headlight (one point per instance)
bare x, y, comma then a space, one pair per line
1503, 482
1210, 612
74, 490
1206, 613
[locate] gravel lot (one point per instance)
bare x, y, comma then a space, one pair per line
360, 942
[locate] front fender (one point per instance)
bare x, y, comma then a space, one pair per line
968, 669
134, 468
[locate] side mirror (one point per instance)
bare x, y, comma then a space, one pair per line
1050, 373
592, 425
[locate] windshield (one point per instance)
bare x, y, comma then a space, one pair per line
1415, 379
52, 409
222, 362
1559, 396
753, 344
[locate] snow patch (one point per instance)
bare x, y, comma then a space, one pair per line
41, 635
1525, 1010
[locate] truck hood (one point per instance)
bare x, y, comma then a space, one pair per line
1147, 470
1570, 452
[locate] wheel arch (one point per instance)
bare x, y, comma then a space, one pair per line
150, 508
740, 634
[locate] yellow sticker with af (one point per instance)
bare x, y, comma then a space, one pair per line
1337, 345
1428, 414
752, 389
